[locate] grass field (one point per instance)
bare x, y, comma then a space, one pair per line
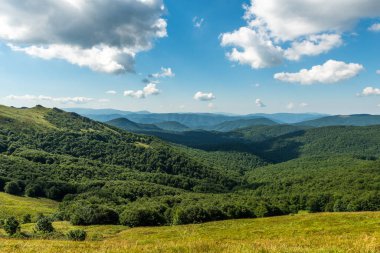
11, 205
326, 232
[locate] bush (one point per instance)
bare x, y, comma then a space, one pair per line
27, 218
190, 215
77, 235
12, 188
44, 225
11, 226
93, 215
34, 190
142, 216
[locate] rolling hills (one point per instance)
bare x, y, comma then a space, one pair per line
343, 120
105, 175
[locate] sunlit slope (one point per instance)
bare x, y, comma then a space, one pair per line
338, 232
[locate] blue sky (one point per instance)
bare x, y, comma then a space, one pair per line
343, 52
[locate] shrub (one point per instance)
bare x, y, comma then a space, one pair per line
12, 188
34, 190
27, 218
77, 235
190, 214
11, 226
44, 225
93, 215
142, 216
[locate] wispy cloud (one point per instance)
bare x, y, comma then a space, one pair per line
375, 27
198, 22
202, 96
165, 72
149, 89
62, 100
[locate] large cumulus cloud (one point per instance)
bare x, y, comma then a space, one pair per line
278, 30
103, 35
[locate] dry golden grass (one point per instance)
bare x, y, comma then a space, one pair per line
327, 232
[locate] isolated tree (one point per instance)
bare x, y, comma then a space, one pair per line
11, 226
44, 225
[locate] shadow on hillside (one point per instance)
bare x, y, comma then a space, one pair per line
278, 149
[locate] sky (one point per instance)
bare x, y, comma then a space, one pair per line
259, 56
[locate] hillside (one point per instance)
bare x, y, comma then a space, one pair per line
344, 120
105, 175
17, 206
131, 126
351, 232
229, 126
172, 126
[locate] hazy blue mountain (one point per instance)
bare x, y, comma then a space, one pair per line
172, 126
344, 120
228, 126
192, 120
128, 125
290, 118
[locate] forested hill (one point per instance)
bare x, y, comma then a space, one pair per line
344, 120
56, 132
106, 175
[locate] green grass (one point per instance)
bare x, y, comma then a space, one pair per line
11, 205
325, 232
18, 118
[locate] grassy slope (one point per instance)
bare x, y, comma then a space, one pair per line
327, 232
11, 205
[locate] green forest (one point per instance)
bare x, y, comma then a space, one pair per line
102, 174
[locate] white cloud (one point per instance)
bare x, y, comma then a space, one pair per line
61, 100
259, 103
67, 30
330, 72
303, 104
294, 18
111, 92
313, 45
201, 96
378, 72
134, 94
375, 27
310, 27
369, 91
198, 22
252, 48
290, 106
165, 72
211, 105
149, 89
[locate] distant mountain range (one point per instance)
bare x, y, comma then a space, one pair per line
344, 120
190, 120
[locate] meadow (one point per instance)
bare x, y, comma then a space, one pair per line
303, 232
325, 232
